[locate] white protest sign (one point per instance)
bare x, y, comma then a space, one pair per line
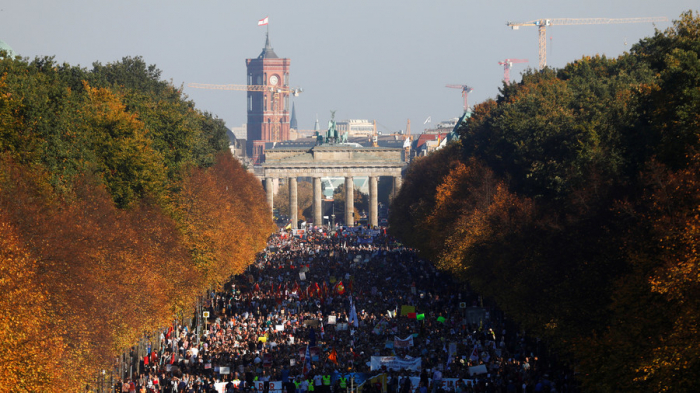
480, 369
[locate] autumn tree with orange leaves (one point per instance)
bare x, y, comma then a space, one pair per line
572, 201
119, 205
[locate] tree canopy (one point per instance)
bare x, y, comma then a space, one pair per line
119, 204
572, 200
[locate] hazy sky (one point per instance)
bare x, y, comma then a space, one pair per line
387, 60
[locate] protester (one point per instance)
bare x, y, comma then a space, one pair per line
319, 309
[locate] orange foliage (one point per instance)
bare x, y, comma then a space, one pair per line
225, 218
675, 228
28, 337
109, 274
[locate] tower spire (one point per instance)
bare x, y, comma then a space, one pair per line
293, 119
268, 52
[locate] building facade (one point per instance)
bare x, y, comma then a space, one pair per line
268, 109
355, 127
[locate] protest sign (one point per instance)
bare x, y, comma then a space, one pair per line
395, 363
480, 369
403, 343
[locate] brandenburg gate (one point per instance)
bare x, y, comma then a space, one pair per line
332, 160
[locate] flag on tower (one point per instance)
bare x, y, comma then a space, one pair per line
263, 22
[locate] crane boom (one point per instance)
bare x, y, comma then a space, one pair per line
294, 91
543, 23
277, 95
507, 65
465, 93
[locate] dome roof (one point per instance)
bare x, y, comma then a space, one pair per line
7, 48
267, 52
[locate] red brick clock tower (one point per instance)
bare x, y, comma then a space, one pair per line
268, 110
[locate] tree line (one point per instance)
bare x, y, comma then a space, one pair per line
119, 204
573, 201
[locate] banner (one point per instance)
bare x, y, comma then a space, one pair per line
403, 343
315, 352
395, 363
380, 327
311, 322
407, 309
448, 384
480, 369
275, 386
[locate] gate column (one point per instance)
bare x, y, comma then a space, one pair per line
269, 191
397, 187
373, 198
317, 202
349, 202
293, 204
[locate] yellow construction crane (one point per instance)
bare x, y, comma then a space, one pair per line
276, 101
543, 23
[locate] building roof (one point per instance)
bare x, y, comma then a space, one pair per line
384, 141
423, 138
7, 48
268, 52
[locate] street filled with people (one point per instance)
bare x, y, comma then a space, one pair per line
333, 311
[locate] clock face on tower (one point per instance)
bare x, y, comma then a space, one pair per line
274, 80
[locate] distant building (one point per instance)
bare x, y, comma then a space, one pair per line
355, 128
427, 143
300, 134
237, 146
240, 132
443, 127
268, 110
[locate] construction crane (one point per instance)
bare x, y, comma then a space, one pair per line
507, 64
465, 92
543, 23
276, 103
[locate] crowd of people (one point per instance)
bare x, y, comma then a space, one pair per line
324, 311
